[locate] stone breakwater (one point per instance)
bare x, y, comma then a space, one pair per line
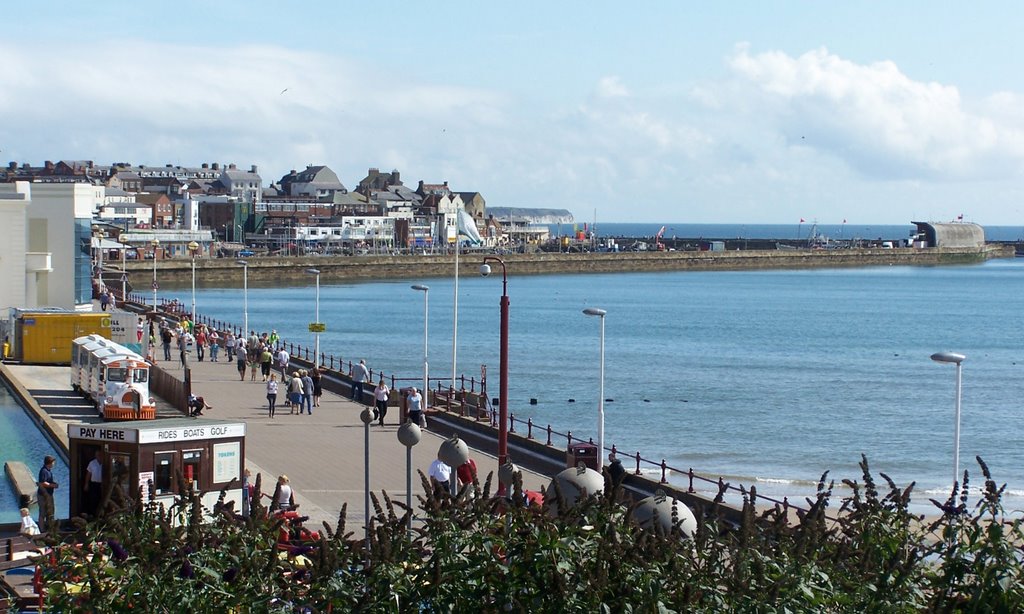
288, 270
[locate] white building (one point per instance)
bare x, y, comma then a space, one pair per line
60, 222
15, 275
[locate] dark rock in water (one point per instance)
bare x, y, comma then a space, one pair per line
609, 400
572, 400
533, 401
686, 401
647, 400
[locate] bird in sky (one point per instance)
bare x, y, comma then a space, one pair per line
284, 90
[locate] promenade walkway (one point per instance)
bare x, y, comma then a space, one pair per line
322, 454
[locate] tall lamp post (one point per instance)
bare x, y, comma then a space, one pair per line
241, 233
193, 247
485, 270
100, 235
155, 243
957, 359
316, 333
245, 296
426, 381
600, 313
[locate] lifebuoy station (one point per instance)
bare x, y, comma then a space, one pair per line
146, 457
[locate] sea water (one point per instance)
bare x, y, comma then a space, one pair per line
768, 378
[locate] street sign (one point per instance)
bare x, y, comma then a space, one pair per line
317, 327
124, 276
156, 286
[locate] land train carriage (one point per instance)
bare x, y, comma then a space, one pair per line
81, 349
115, 378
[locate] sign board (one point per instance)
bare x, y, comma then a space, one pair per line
124, 277
156, 286
227, 461
317, 327
123, 325
153, 434
145, 477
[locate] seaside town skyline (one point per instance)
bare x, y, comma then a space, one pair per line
708, 115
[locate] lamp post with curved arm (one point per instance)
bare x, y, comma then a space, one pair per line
426, 380
155, 243
599, 313
245, 296
957, 359
485, 270
193, 247
316, 333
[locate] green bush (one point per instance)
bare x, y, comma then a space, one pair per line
475, 552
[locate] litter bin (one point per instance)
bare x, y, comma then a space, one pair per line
585, 453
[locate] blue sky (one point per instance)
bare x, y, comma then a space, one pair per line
672, 112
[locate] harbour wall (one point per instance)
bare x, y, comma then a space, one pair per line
289, 270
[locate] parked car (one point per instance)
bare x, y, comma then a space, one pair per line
245, 253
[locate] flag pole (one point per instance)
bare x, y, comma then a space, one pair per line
455, 302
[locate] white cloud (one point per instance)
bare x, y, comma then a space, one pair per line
611, 87
876, 118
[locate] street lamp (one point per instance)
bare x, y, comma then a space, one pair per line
409, 435
367, 417
245, 296
241, 233
100, 235
485, 270
155, 243
957, 359
426, 292
316, 333
600, 313
193, 247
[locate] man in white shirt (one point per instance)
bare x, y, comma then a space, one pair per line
282, 359
94, 483
440, 473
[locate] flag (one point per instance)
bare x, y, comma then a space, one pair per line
801, 220
467, 228
960, 217
844, 220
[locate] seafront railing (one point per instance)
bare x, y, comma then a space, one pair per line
470, 400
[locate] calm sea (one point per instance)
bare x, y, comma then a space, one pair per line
772, 231
765, 377
21, 440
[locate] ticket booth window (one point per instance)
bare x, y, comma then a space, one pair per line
121, 471
163, 473
191, 464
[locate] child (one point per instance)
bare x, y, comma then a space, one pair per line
28, 524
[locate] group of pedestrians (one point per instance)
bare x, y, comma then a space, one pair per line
304, 389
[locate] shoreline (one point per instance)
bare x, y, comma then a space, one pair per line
212, 271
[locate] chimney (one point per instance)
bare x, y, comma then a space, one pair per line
12, 166
231, 167
48, 165
254, 170
169, 166
206, 165
215, 166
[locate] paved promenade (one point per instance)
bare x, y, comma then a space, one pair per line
322, 454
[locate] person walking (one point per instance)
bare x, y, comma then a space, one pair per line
380, 397
165, 338
307, 392
282, 360
266, 360
229, 345
240, 364
295, 393
253, 356
318, 389
184, 339
201, 343
359, 375
284, 498
415, 404
440, 473
214, 339
46, 485
272, 392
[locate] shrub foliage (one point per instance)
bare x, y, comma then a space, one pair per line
475, 552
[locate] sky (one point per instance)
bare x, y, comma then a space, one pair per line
672, 112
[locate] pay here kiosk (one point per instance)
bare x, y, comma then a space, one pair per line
143, 454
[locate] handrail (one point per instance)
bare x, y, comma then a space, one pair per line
448, 395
